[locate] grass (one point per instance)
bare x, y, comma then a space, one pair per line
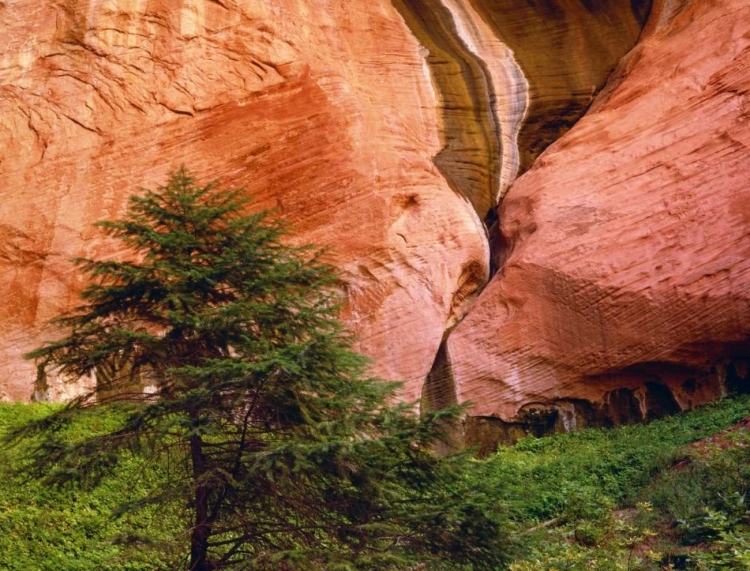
67, 529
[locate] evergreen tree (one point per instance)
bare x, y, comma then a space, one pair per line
287, 456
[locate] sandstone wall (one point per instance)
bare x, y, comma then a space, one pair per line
322, 111
386, 130
625, 283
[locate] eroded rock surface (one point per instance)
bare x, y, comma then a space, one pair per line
385, 129
321, 110
626, 246
512, 76
566, 49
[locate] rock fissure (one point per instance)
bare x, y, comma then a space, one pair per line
470, 49
566, 52
609, 264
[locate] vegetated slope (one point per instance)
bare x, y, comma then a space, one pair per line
635, 497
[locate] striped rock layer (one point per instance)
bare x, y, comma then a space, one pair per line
389, 130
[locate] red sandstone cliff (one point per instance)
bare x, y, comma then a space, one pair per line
378, 128
627, 245
388, 130
320, 110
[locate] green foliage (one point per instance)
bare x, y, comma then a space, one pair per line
613, 499
539, 477
45, 528
259, 443
692, 516
707, 501
731, 547
257, 410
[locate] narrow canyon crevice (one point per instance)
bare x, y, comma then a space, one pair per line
495, 121
389, 131
439, 389
439, 392
567, 50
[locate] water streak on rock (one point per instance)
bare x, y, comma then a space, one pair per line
470, 157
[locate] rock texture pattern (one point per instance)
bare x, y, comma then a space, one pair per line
386, 130
512, 76
322, 111
625, 284
566, 49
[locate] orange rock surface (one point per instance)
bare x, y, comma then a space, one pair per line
385, 129
321, 111
626, 247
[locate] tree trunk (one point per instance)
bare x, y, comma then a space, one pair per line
201, 529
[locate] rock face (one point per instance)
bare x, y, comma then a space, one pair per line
303, 103
566, 49
386, 130
511, 76
625, 285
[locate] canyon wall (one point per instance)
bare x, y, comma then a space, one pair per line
385, 130
390, 130
321, 111
624, 290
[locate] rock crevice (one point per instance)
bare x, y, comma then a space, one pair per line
471, 152
628, 257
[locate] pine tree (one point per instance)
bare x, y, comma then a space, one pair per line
288, 456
